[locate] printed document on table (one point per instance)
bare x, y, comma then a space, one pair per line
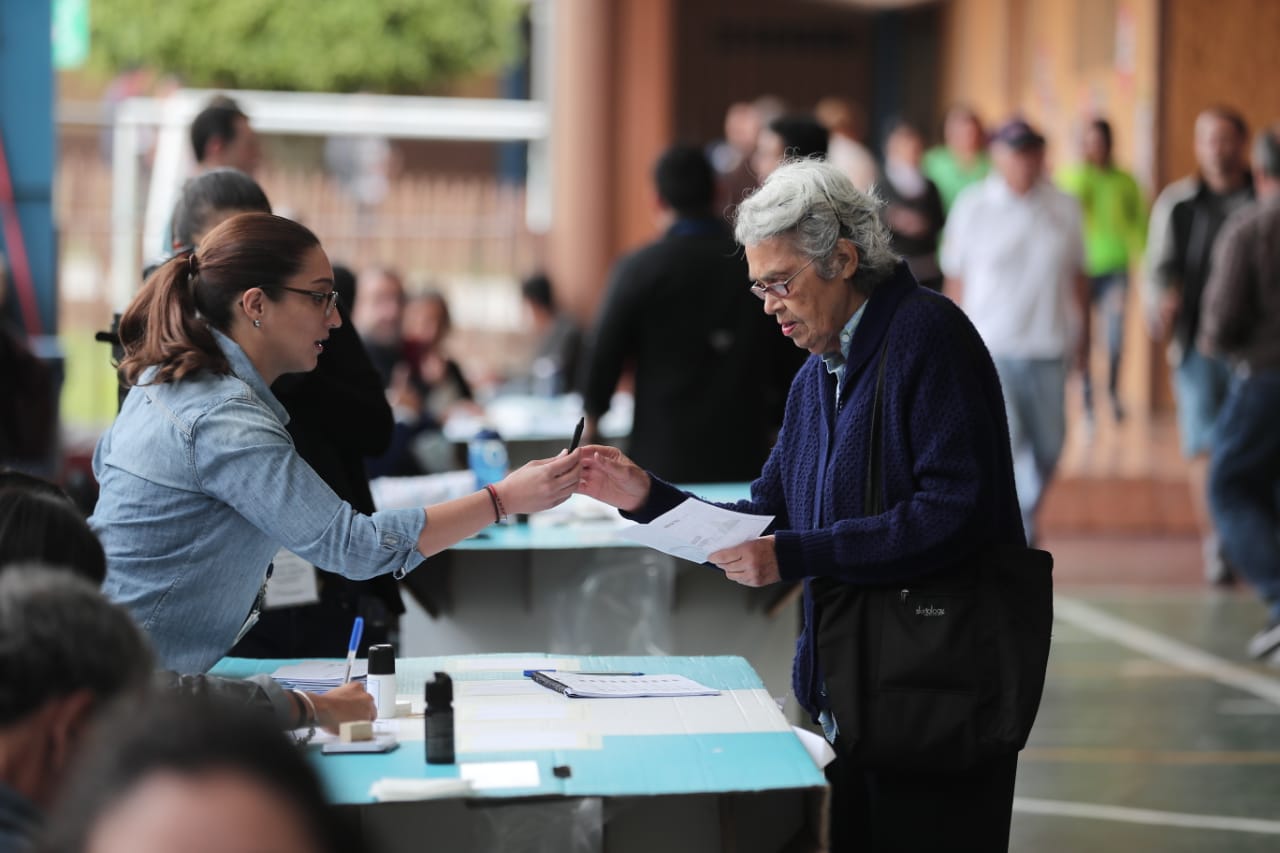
585, 685
695, 529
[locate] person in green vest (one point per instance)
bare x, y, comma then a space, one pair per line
962, 159
1115, 227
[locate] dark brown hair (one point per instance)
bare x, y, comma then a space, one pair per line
208, 198
41, 526
192, 737
168, 322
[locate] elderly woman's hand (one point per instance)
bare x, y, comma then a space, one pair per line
609, 476
753, 563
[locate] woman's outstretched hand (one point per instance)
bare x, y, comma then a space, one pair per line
540, 484
609, 476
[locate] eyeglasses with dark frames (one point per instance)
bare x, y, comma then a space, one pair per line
780, 289
327, 298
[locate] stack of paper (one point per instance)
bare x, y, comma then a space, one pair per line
579, 685
318, 676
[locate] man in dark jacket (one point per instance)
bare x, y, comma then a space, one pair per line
1241, 321
711, 371
1185, 220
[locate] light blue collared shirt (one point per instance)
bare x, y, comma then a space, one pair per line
836, 361
200, 486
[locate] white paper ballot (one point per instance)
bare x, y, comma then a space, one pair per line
694, 530
292, 583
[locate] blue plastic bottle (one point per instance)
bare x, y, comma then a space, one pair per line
487, 457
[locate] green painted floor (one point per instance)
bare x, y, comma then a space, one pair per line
1144, 742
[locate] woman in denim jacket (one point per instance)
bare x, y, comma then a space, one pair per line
200, 482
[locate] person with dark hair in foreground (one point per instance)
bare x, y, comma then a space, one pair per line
65, 653
183, 774
40, 525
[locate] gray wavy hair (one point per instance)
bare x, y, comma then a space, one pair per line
813, 204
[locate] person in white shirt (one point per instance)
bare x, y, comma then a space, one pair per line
1013, 257
846, 122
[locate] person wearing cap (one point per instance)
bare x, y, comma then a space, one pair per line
1014, 259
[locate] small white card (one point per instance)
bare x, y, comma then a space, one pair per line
695, 529
487, 775
292, 583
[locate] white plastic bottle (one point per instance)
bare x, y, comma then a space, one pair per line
381, 682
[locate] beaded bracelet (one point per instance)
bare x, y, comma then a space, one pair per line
499, 512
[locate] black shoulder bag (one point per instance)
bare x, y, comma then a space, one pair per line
942, 672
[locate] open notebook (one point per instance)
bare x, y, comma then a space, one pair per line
579, 685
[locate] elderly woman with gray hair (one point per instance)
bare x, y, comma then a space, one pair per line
883, 349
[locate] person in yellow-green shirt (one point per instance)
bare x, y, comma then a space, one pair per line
962, 158
1115, 227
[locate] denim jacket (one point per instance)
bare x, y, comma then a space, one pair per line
200, 485
20, 821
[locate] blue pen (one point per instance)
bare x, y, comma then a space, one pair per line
356, 631
528, 673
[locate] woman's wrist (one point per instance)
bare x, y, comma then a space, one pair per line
499, 511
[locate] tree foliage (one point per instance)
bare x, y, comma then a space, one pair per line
392, 46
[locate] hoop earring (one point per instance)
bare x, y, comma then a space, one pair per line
257, 324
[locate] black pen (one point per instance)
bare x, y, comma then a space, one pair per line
577, 433
528, 673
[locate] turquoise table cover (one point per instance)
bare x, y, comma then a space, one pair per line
625, 765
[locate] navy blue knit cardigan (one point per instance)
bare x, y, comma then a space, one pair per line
947, 470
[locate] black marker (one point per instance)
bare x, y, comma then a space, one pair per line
577, 433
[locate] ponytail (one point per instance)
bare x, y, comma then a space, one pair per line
169, 323
163, 327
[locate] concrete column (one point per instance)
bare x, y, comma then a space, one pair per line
644, 117
579, 245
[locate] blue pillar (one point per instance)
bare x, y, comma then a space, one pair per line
27, 130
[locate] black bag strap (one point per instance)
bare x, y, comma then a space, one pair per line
873, 498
